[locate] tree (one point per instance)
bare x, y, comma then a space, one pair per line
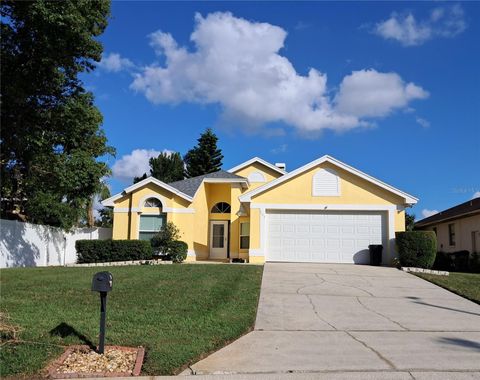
205, 157
167, 167
409, 221
51, 136
141, 178
102, 192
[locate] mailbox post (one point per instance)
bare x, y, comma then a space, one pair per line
102, 282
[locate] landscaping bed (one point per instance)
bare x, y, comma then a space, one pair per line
178, 313
464, 284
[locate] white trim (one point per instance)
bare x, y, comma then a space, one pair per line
243, 182
226, 180
180, 210
109, 202
324, 207
164, 210
247, 197
121, 209
191, 253
142, 200
259, 160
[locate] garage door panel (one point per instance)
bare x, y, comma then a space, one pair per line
323, 236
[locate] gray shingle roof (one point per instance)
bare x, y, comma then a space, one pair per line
466, 208
189, 186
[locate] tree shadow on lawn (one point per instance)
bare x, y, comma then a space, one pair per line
64, 329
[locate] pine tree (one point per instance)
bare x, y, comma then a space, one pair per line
205, 157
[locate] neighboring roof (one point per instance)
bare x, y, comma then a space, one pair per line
190, 185
464, 209
259, 160
109, 202
247, 197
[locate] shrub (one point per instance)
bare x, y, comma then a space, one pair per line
416, 248
443, 261
102, 251
178, 251
165, 237
460, 261
474, 263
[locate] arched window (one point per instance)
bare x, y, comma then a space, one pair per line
221, 208
152, 202
326, 183
256, 177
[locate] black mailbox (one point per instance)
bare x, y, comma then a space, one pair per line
102, 282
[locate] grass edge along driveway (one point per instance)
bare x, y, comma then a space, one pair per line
179, 313
466, 285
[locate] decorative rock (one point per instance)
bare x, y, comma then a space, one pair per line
81, 361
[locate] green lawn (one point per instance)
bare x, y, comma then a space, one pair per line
177, 312
464, 284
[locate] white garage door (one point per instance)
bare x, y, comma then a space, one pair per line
323, 236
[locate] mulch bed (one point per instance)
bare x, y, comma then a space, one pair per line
82, 361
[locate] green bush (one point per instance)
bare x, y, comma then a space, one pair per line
460, 261
102, 251
165, 237
416, 248
474, 263
178, 251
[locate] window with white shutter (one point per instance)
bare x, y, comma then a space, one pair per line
325, 183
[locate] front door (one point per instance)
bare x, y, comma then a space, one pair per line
218, 239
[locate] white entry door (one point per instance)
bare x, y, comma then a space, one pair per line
218, 239
323, 236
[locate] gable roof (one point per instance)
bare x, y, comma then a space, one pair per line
185, 188
247, 197
260, 161
109, 202
190, 186
464, 209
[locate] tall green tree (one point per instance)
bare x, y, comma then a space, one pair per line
51, 137
205, 157
167, 167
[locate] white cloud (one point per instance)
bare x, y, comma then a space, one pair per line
426, 212
282, 148
422, 122
236, 63
368, 93
134, 164
113, 62
476, 195
404, 28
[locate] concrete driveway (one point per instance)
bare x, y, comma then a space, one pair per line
356, 320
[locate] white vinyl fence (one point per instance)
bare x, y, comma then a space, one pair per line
33, 245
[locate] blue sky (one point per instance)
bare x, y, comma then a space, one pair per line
389, 88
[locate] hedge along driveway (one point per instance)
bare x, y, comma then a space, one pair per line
177, 312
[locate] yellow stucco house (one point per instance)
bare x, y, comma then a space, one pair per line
324, 211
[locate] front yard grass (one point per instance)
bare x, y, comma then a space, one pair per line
178, 313
464, 284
